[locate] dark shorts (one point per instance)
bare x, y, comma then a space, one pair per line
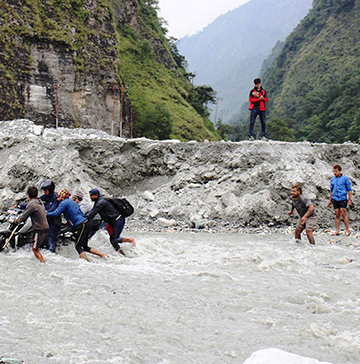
38, 238
340, 204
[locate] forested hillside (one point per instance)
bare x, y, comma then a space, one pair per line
314, 83
228, 53
76, 60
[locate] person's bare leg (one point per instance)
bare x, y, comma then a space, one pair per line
83, 256
309, 234
96, 252
38, 255
346, 220
337, 221
298, 232
129, 240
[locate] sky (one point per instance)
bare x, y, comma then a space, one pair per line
187, 17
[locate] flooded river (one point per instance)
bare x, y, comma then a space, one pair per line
183, 298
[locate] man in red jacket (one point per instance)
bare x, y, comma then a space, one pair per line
257, 98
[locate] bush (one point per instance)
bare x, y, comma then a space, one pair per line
152, 121
278, 129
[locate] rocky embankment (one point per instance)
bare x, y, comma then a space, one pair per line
218, 186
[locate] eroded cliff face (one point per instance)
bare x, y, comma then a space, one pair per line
68, 65
172, 183
82, 99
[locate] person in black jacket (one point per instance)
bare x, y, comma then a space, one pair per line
50, 201
112, 217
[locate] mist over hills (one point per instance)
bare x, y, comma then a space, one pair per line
229, 52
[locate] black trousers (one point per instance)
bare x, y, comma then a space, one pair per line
81, 234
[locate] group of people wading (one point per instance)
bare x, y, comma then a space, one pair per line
83, 218
45, 213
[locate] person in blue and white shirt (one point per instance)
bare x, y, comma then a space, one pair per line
340, 198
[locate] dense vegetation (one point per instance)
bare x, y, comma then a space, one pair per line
314, 82
100, 35
165, 102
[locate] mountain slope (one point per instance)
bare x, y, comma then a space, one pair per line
68, 55
229, 52
315, 79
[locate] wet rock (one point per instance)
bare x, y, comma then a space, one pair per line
154, 213
199, 224
149, 196
38, 129
165, 222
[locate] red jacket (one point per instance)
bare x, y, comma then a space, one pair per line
254, 99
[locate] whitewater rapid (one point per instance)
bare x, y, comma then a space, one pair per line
183, 298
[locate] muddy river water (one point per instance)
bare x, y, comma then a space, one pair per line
183, 298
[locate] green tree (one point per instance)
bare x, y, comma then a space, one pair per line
200, 97
178, 58
278, 129
354, 130
152, 121
226, 131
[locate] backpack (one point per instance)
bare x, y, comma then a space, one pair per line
122, 205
